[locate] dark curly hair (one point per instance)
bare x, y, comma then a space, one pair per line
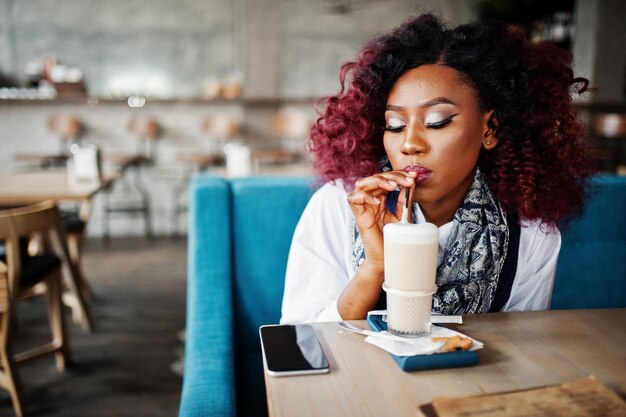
540, 168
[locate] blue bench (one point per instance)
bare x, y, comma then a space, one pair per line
591, 272
239, 237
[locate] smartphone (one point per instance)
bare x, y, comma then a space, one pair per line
292, 349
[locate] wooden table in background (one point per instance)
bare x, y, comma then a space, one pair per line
29, 187
522, 350
20, 188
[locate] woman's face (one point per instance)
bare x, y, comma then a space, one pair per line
434, 126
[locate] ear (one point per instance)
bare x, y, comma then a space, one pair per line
490, 126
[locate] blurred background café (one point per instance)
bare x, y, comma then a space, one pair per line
110, 108
209, 73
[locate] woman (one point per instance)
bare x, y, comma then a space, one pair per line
479, 123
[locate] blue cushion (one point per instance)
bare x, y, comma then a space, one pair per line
209, 381
591, 271
265, 213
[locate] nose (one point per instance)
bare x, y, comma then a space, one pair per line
414, 143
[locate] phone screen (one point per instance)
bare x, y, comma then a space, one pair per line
292, 350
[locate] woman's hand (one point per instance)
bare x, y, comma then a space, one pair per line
368, 203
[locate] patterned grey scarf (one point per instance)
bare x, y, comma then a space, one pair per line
474, 254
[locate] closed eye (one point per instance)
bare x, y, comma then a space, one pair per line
399, 128
441, 123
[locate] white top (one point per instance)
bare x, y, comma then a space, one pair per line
320, 260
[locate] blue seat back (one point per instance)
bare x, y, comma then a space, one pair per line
209, 336
265, 213
591, 271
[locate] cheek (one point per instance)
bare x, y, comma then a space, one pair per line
392, 148
462, 145
457, 157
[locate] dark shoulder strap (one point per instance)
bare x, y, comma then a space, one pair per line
507, 275
382, 301
392, 201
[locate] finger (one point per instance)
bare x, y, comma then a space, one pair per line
402, 178
388, 181
390, 218
409, 178
375, 182
363, 197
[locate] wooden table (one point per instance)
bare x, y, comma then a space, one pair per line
29, 187
522, 350
34, 186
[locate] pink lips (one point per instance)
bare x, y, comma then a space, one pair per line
422, 173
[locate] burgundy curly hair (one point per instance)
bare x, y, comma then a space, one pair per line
540, 168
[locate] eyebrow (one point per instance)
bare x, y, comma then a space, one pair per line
429, 103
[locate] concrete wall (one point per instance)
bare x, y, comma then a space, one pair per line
294, 48
281, 48
167, 49
171, 45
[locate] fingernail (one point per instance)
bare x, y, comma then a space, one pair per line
392, 183
377, 201
409, 179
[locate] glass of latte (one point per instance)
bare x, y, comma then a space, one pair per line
410, 272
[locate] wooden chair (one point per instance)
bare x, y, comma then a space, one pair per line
10, 379
219, 130
68, 128
27, 276
84, 166
75, 228
292, 129
147, 131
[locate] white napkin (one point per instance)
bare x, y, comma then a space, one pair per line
422, 345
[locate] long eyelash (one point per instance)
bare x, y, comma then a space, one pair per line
442, 123
393, 128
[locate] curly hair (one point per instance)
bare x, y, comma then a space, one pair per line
540, 168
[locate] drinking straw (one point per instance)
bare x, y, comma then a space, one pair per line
405, 214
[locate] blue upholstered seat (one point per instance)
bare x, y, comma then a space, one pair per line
239, 237
591, 272
240, 233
